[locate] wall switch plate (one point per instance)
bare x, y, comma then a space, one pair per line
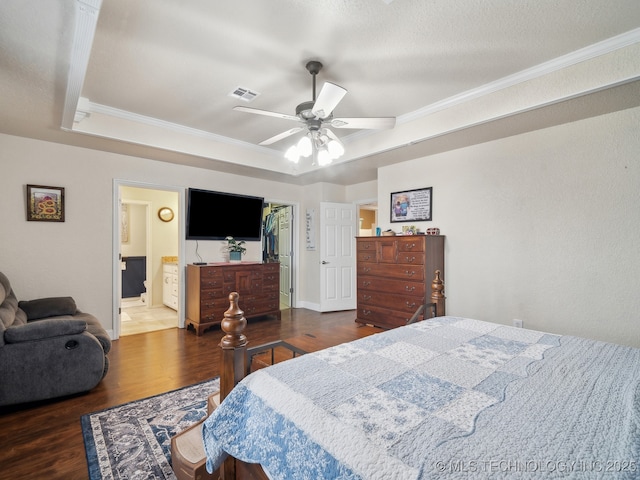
517, 323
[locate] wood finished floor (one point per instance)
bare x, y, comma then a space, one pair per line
44, 440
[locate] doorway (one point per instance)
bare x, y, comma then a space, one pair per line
278, 246
367, 218
146, 246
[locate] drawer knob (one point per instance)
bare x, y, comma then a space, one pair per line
367, 297
409, 288
410, 273
367, 269
366, 283
366, 312
410, 260
410, 305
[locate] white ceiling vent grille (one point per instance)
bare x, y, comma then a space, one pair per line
244, 94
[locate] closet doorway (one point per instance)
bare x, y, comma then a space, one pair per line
278, 246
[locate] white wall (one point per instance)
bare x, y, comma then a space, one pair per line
543, 227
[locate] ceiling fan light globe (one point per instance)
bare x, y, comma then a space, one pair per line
304, 146
323, 157
292, 154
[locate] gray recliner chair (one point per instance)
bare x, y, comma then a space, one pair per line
48, 348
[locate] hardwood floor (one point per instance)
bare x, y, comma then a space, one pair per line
44, 440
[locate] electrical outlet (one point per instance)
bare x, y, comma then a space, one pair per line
517, 323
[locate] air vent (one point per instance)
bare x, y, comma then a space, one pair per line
244, 94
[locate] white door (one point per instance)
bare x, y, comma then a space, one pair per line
338, 223
284, 254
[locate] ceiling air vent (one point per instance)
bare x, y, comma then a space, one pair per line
244, 94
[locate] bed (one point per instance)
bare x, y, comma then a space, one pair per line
439, 398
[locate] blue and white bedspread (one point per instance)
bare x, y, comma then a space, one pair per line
441, 398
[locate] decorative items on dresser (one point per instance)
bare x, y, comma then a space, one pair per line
394, 277
209, 286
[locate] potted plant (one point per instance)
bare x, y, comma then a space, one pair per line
235, 249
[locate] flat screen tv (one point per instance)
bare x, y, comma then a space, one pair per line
217, 215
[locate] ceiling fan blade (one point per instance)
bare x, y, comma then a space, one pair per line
280, 136
329, 97
266, 112
373, 123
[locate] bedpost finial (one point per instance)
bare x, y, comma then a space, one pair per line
437, 286
233, 324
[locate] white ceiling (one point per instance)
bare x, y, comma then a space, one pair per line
156, 74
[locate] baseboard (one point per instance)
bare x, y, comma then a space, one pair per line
310, 306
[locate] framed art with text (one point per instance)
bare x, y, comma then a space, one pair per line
412, 205
45, 204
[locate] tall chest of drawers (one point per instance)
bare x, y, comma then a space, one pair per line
394, 276
209, 286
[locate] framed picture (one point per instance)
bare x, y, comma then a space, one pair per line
412, 205
45, 204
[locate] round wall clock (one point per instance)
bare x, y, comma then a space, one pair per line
165, 214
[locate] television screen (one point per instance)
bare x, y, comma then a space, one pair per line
217, 215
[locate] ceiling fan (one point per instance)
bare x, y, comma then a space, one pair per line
316, 117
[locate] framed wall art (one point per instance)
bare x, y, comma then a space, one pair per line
45, 204
412, 205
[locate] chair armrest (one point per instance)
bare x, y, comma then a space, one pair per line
48, 307
45, 329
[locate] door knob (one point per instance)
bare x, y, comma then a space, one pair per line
324, 262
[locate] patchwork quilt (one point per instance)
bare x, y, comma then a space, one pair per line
439, 399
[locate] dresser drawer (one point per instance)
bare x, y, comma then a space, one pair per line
406, 272
218, 302
272, 286
366, 246
170, 268
271, 268
368, 256
271, 277
400, 287
411, 244
398, 303
210, 273
411, 258
381, 317
211, 283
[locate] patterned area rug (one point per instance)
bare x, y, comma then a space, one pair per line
133, 441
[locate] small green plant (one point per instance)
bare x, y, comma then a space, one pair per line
235, 246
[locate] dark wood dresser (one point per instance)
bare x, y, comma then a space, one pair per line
394, 276
209, 286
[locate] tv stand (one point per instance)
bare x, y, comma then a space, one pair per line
209, 286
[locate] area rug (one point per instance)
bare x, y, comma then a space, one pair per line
133, 441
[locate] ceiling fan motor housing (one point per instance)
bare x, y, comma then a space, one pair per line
304, 110
314, 67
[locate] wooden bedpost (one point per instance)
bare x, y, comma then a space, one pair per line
234, 348
437, 295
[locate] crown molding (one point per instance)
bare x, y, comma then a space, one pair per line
587, 53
